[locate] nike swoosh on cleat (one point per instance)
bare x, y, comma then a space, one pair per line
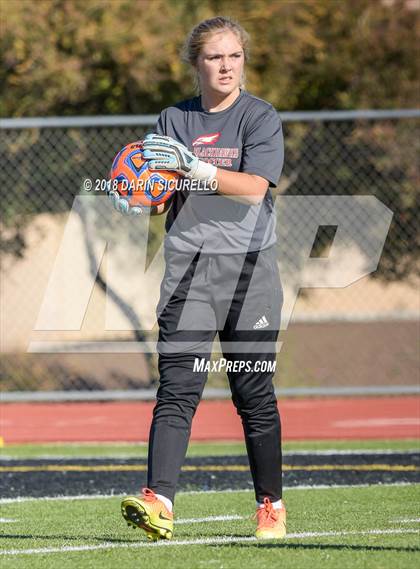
163, 517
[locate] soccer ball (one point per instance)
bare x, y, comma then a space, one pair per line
131, 178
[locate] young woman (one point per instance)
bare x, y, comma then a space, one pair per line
221, 274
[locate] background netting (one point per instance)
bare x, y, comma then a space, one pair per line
366, 334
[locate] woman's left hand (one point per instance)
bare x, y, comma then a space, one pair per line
166, 153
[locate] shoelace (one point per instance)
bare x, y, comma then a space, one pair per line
148, 495
266, 515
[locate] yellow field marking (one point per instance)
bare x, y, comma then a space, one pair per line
75, 468
366, 467
206, 468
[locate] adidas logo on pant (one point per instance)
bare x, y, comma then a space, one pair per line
262, 323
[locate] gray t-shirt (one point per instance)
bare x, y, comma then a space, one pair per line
245, 137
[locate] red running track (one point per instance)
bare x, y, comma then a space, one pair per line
302, 419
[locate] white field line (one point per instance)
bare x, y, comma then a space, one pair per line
305, 487
209, 519
192, 492
178, 521
205, 541
329, 452
405, 521
20, 499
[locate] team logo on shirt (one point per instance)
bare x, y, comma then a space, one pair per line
202, 148
206, 139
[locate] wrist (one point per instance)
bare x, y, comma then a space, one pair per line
203, 171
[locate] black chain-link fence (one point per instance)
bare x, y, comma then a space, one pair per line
364, 334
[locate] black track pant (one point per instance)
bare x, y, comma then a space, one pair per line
239, 297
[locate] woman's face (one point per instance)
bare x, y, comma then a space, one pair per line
220, 63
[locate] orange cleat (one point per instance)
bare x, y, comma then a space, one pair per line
150, 514
271, 521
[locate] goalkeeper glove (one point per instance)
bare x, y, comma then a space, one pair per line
122, 205
165, 153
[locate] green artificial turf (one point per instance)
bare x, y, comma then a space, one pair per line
210, 448
70, 523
